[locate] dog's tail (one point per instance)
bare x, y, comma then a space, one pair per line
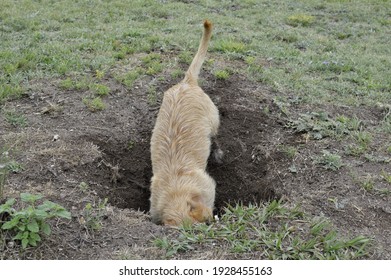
192, 73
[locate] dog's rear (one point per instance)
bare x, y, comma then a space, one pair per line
181, 190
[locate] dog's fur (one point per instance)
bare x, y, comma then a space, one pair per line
181, 190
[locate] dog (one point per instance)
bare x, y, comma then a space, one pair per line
181, 190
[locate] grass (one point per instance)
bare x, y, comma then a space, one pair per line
222, 74
14, 118
300, 19
329, 56
94, 104
271, 231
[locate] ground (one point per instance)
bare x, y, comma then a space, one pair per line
108, 153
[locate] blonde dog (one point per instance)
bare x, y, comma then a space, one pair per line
181, 190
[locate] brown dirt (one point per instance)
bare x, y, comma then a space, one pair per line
109, 150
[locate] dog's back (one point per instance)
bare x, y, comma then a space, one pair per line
180, 147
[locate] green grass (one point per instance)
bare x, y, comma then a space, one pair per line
300, 19
14, 118
222, 74
94, 104
272, 231
323, 51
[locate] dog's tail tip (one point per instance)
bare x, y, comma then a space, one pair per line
207, 24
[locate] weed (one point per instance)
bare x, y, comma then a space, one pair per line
221, 74
10, 91
230, 46
289, 151
93, 215
14, 167
300, 19
185, 57
79, 84
152, 95
99, 74
320, 125
99, 89
95, 104
363, 138
83, 187
31, 222
130, 77
368, 183
15, 119
3, 176
329, 161
153, 63
386, 176
131, 144
176, 73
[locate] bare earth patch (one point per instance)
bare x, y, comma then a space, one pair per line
76, 157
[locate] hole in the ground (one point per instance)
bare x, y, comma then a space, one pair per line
242, 177
246, 135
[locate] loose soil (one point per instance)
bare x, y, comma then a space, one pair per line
74, 157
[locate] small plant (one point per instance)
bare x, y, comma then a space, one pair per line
100, 89
152, 95
15, 119
83, 187
329, 161
320, 125
152, 63
131, 144
386, 176
154, 68
289, 151
185, 57
176, 73
95, 104
80, 84
230, 46
300, 19
130, 77
222, 74
31, 222
3, 176
368, 183
99, 74
14, 167
94, 214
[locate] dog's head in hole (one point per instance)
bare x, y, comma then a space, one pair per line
186, 209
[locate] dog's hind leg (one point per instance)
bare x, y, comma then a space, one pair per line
216, 151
